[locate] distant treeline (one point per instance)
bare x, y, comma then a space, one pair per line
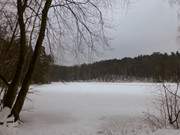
156, 67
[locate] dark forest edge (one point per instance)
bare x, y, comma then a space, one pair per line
157, 67
9, 53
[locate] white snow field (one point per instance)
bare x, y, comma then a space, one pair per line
87, 109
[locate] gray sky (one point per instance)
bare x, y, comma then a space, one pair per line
146, 26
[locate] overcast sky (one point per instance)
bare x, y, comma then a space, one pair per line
147, 26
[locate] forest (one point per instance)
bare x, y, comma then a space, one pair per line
8, 61
157, 67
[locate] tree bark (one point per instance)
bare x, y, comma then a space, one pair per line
27, 80
13, 86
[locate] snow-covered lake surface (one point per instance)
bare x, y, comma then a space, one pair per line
86, 109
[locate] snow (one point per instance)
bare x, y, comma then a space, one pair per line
86, 109
167, 132
4, 113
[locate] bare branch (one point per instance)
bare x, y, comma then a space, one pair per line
165, 87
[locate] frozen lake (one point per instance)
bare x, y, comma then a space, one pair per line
93, 99
85, 108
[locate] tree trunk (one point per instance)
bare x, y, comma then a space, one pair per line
13, 87
27, 80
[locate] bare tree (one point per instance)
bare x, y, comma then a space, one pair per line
167, 107
48, 22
